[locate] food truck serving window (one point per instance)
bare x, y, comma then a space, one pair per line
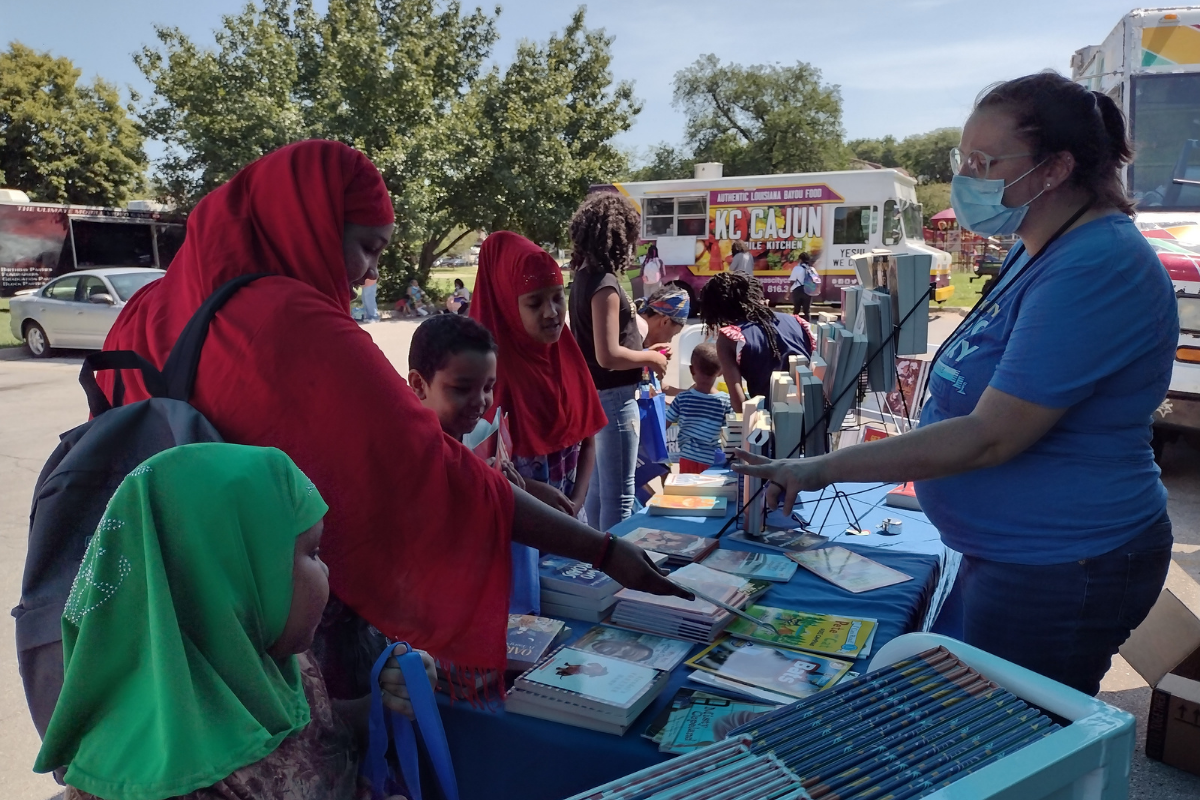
852, 225
674, 216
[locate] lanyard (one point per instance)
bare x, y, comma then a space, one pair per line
1004, 284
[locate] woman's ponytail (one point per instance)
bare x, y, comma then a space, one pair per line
1114, 124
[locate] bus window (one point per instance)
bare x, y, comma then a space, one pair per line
892, 232
914, 220
1165, 173
112, 244
852, 225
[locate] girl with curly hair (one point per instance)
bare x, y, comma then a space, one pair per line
604, 232
753, 340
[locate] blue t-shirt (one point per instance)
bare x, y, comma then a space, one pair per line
1092, 327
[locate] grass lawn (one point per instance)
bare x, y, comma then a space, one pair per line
965, 292
6, 337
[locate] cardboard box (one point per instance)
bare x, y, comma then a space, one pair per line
1165, 650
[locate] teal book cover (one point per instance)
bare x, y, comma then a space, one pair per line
707, 720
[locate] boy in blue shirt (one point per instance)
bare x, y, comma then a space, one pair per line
700, 412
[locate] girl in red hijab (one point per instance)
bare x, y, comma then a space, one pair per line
418, 532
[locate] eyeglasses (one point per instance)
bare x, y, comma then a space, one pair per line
977, 161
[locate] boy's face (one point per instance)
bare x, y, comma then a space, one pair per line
460, 392
542, 313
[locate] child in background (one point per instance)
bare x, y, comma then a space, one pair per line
416, 298
452, 368
663, 316
700, 412
544, 386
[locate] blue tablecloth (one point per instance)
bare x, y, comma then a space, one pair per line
502, 756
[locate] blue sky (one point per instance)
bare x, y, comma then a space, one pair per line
904, 66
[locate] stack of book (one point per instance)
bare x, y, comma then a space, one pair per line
692, 620
680, 549
676, 505
530, 638
587, 690
575, 590
701, 485
731, 434
640, 648
697, 719
762, 672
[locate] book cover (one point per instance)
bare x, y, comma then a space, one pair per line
707, 719
754, 589
529, 638
676, 546
638, 648
848, 569
657, 728
752, 565
686, 506
903, 496
843, 637
787, 672
724, 485
568, 576
604, 680
786, 541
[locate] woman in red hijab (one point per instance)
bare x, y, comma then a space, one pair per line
418, 532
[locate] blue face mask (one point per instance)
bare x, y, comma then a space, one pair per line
978, 204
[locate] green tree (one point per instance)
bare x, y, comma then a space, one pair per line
933, 197
926, 156
884, 152
62, 141
761, 119
665, 163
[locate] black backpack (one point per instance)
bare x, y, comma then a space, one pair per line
83, 474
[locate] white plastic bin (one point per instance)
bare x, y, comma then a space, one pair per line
1086, 760
691, 336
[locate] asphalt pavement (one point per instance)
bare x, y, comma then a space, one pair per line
41, 399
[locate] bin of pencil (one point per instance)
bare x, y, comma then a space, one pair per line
1088, 759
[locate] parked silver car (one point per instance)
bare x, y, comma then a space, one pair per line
75, 310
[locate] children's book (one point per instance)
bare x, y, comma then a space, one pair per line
705, 485
783, 671
793, 540
529, 638
639, 648
590, 679
903, 496
848, 569
571, 577
680, 548
843, 637
685, 506
706, 720
752, 565
754, 589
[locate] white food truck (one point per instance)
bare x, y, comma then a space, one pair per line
832, 216
1150, 65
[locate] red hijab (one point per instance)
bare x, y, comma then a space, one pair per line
418, 531
545, 388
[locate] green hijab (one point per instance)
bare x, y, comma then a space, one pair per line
188, 580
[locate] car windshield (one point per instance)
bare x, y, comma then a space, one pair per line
126, 283
1165, 174
913, 221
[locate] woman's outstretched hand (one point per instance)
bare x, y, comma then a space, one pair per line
788, 477
628, 565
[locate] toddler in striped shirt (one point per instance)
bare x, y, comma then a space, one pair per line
700, 412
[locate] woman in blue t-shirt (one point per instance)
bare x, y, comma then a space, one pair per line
753, 341
1033, 455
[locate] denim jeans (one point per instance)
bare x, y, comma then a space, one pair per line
368, 301
1064, 621
610, 493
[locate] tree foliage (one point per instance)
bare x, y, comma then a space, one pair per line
402, 80
761, 119
925, 156
665, 163
62, 141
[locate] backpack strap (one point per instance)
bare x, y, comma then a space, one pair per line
117, 360
179, 372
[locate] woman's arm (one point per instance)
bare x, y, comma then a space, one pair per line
537, 525
606, 331
727, 357
1000, 428
583, 471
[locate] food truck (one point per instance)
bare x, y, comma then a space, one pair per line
40, 241
832, 216
1150, 65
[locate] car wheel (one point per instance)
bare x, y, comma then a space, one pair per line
36, 341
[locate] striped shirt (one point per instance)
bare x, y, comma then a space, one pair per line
700, 417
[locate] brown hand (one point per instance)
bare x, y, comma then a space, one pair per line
629, 566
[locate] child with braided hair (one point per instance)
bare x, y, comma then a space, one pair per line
753, 341
604, 233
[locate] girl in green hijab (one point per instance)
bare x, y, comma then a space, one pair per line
202, 582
